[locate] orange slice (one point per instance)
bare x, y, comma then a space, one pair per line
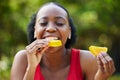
55, 43
95, 50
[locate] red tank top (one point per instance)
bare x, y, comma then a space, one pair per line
75, 72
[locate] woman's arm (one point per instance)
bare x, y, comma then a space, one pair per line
97, 68
19, 66
88, 64
26, 61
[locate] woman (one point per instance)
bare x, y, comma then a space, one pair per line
39, 61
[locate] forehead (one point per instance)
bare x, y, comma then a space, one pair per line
52, 10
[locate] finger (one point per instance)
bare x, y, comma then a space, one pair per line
39, 45
100, 64
108, 59
44, 49
106, 56
40, 54
110, 62
34, 49
104, 62
30, 46
36, 42
112, 67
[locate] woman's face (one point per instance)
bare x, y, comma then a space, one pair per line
52, 21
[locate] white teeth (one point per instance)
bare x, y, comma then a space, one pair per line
51, 38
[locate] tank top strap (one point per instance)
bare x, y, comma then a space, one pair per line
75, 72
38, 74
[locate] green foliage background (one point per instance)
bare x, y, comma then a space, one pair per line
97, 23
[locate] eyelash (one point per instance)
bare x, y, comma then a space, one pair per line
45, 24
59, 24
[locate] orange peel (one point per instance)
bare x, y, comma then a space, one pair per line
95, 50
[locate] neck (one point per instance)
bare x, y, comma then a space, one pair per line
55, 61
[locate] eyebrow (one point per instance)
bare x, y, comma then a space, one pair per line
57, 17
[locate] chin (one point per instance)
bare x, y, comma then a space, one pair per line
52, 49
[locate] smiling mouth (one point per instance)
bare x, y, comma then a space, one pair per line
54, 41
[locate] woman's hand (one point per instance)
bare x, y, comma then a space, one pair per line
35, 51
105, 67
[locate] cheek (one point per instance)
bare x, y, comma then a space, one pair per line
39, 32
64, 35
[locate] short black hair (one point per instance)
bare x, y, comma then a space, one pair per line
31, 25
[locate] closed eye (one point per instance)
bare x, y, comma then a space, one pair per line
59, 24
43, 24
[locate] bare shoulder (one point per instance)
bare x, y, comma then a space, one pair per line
88, 60
86, 55
21, 54
19, 64
20, 57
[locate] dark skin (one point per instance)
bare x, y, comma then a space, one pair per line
52, 21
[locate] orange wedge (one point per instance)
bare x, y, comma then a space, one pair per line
95, 50
55, 43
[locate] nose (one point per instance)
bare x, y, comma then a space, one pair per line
51, 27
